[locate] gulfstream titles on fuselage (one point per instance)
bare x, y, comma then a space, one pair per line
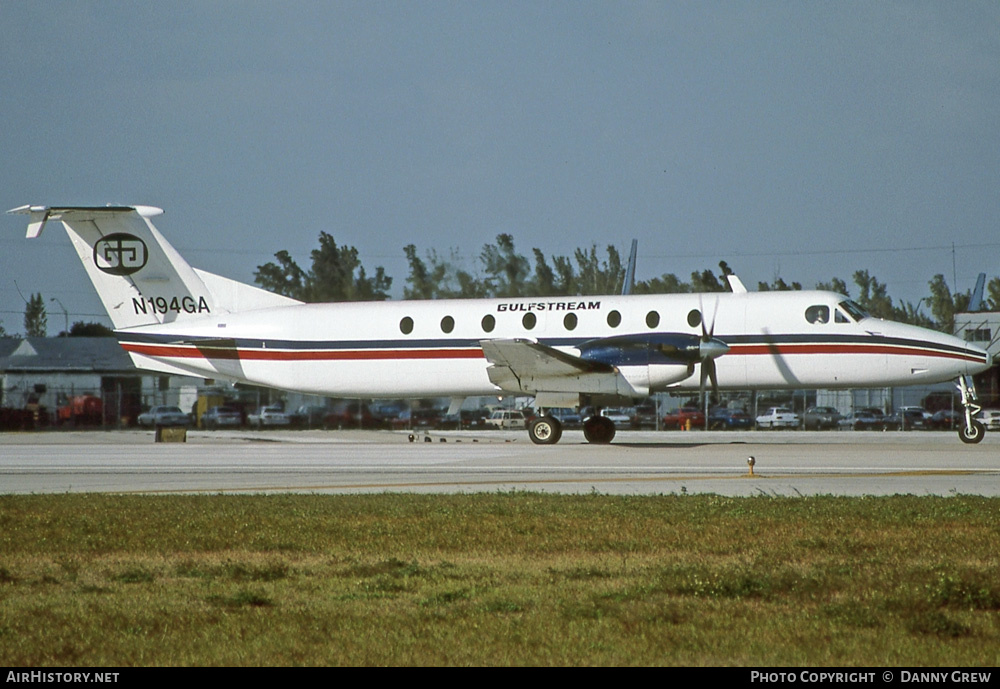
906, 676
551, 306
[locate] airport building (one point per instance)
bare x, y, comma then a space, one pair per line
45, 374
91, 381
983, 329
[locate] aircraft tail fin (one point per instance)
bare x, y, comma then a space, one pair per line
976, 301
139, 276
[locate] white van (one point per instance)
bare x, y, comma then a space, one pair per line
503, 418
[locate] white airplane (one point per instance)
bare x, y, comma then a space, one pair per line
563, 351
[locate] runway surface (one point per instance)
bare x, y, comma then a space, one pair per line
788, 463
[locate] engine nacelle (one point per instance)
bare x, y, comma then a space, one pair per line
643, 350
653, 361
656, 377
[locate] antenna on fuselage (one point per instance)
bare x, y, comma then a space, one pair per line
629, 281
735, 284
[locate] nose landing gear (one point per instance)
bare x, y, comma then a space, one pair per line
972, 431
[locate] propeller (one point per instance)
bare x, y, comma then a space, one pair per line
709, 349
663, 348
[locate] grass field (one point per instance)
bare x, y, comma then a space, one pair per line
498, 579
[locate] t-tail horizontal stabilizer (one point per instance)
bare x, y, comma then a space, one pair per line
139, 276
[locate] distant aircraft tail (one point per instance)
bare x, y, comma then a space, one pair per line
139, 276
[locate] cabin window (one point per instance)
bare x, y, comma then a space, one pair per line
839, 317
652, 319
818, 314
529, 321
614, 319
406, 325
694, 318
569, 322
489, 322
447, 324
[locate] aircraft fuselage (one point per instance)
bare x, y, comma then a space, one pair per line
433, 348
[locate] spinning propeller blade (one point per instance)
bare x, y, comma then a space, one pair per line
709, 350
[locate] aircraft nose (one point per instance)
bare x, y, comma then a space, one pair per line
985, 358
971, 358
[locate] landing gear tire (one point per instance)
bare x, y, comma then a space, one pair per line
972, 434
545, 430
599, 430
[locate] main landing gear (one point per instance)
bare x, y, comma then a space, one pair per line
547, 430
972, 431
599, 430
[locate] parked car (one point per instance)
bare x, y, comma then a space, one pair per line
645, 416
946, 420
680, 418
914, 411
567, 416
729, 419
308, 416
219, 417
427, 418
620, 417
410, 419
864, 420
164, 415
821, 418
989, 418
778, 417
906, 419
272, 415
400, 421
505, 418
464, 420
352, 415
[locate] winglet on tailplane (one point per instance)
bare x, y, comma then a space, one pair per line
139, 276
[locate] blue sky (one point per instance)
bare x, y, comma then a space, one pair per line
806, 140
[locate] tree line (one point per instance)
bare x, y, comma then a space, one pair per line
36, 323
336, 274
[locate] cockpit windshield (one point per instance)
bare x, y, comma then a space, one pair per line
853, 310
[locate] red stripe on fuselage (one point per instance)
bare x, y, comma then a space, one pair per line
195, 352
763, 349
192, 352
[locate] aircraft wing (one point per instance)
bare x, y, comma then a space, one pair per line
526, 366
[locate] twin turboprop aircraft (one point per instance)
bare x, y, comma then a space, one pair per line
563, 351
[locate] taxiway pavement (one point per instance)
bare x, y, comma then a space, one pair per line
787, 463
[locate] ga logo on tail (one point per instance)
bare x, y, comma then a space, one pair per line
120, 254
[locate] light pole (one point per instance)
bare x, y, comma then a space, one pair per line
65, 314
